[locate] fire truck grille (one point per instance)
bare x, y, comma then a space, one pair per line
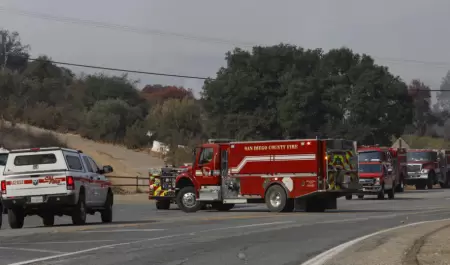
413, 168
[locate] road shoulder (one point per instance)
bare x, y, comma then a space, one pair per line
424, 243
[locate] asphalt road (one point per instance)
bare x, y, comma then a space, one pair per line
245, 235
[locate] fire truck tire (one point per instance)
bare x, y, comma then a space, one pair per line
1, 215
400, 187
381, 193
16, 218
163, 204
420, 186
391, 193
276, 198
222, 207
430, 180
187, 201
48, 219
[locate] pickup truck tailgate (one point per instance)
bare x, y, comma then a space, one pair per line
30, 185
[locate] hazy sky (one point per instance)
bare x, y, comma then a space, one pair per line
393, 31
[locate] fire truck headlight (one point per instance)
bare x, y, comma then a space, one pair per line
425, 170
377, 181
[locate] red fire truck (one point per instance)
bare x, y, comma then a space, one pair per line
285, 174
427, 167
381, 170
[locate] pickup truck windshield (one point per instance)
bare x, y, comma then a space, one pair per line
369, 168
369, 156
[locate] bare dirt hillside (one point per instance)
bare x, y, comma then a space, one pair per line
125, 162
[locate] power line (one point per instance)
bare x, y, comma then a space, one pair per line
119, 27
121, 70
146, 31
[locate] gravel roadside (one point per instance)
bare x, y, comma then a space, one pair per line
425, 243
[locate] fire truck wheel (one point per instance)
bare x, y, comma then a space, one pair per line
391, 193
1, 215
222, 207
381, 194
400, 187
16, 218
187, 201
163, 204
276, 198
420, 186
430, 180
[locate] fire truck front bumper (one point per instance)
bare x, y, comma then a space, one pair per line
369, 186
415, 177
159, 194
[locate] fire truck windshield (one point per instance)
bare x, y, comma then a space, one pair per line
369, 168
420, 156
368, 156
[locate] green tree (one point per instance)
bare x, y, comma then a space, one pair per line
13, 54
108, 120
284, 91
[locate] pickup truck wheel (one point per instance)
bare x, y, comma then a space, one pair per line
222, 207
163, 204
276, 198
187, 200
16, 218
79, 213
48, 220
107, 212
361, 197
348, 197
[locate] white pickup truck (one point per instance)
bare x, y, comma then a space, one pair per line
54, 181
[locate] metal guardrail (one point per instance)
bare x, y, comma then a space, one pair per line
134, 181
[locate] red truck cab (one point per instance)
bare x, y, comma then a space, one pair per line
381, 170
427, 167
305, 174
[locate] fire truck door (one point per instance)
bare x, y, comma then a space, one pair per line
230, 186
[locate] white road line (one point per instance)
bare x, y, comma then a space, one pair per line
329, 254
122, 230
61, 242
33, 250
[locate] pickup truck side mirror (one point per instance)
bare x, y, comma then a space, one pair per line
106, 170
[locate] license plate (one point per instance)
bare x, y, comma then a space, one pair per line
37, 199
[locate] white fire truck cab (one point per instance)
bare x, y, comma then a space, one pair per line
54, 181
